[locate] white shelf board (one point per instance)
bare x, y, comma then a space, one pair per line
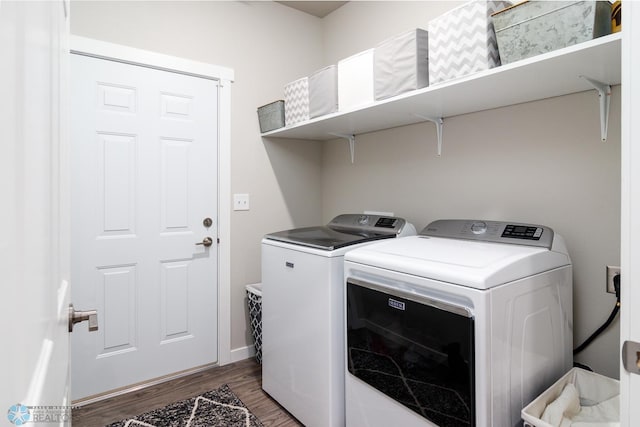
544, 76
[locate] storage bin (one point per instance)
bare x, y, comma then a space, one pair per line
296, 101
616, 16
355, 80
271, 116
462, 41
593, 389
254, 301
534, 27
323, 91
401, 64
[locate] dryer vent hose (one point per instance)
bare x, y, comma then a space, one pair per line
605, 325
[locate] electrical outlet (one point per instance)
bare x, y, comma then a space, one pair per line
240, 202
611, 272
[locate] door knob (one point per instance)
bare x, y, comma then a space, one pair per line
77, 316
206, 242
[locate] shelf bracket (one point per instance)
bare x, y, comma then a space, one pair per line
604, 93
352, 143
438, 122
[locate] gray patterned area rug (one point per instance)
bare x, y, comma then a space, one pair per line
217, 408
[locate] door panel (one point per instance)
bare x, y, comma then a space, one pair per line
117, 179
34, 256
117, 288
144, 177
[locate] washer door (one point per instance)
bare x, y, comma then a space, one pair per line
418, 351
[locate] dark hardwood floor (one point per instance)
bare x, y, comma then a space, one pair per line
244, 378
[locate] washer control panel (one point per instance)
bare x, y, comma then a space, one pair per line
522, 232
491, 231
368, 223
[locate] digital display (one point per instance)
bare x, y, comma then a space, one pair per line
522, 232
386, 222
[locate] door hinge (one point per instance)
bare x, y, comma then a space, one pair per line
218, 239
631, 357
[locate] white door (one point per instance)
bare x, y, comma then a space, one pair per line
34, 258
144, 171
630, 238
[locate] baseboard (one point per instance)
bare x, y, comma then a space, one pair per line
242, 353
237, 355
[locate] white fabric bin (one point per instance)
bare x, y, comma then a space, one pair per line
401, 64
323, 91
355, 80
594, 391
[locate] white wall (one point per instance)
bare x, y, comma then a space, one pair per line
360, 25
540, 162
267, 45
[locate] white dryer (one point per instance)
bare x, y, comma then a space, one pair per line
302, 312
462, 325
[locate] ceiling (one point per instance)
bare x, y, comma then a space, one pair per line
315, 8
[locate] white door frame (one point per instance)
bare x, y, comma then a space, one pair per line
224, 76
630, 209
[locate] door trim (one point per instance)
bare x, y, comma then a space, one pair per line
630, 206
224, 76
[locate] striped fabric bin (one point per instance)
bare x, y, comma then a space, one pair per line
296, 101
462, 41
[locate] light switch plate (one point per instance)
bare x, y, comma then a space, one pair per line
240, 202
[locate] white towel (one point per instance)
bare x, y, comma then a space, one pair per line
604, 414
566, 411
560, 412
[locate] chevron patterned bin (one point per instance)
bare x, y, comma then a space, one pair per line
462, 41
296, 101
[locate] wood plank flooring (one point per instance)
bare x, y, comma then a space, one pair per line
244, 378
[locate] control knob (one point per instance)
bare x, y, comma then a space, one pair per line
478, 227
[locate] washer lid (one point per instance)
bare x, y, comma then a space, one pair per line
325, 238
480, 265
344, 230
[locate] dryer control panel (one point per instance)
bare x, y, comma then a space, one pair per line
491, 231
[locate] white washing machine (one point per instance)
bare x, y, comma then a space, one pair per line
462, 325
303, 313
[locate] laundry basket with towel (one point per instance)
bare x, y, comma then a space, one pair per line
580, 398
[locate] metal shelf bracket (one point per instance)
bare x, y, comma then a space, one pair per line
604, 93
352, 143
438, 122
